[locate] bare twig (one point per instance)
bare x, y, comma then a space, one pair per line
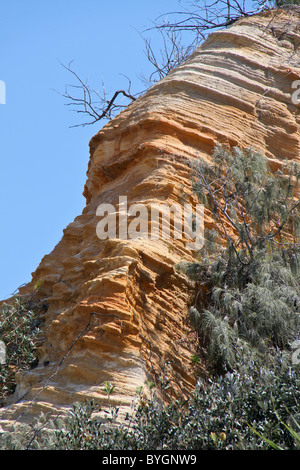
204, 17
171, 54
93, 104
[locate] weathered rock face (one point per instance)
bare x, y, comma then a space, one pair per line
118, 309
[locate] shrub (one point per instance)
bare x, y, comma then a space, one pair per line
19, 329
250, 264
243, 410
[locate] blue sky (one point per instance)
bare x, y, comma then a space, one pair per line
43, 161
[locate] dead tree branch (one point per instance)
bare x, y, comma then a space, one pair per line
93, 104
171, 54
208, 15
204, 17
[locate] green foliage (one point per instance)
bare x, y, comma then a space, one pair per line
254, 408
283, 3
294, 434
216, 416
19, 329
81, 431
108, 388
246, 314
250, 263
251, 205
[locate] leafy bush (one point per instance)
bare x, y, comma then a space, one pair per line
250, 265
216, 417
283, 3
246, 313
19, 329
243, 410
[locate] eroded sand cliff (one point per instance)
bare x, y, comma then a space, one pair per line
117, 310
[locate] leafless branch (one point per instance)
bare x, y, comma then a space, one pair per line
207, 15
171, 54
93, 104
203, 17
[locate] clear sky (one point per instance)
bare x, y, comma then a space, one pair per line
43, 161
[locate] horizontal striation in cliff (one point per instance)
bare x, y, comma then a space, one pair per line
118, 309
